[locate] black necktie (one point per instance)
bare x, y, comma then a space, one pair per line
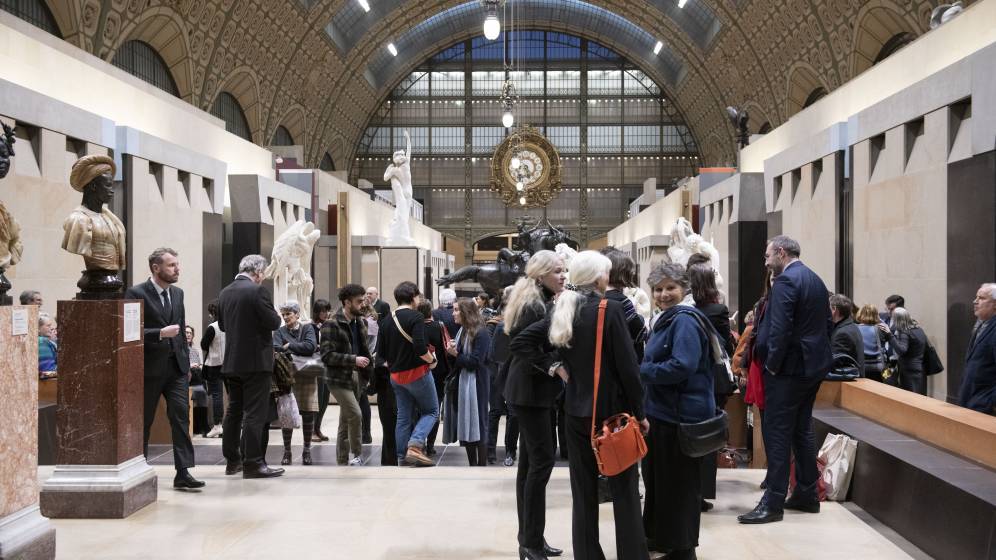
167, 305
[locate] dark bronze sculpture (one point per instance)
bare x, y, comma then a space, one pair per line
510, 265
10, 231
93, 231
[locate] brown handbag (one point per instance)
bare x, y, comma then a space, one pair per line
621, 444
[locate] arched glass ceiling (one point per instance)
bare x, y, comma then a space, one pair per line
638, 44
352, 22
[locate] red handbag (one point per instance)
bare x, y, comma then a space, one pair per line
620, 444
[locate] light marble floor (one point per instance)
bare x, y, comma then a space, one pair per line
374, 512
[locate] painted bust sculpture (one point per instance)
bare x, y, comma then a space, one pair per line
93, 231
399, 174
10, 231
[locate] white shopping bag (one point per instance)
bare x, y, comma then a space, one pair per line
838, 453
288, 415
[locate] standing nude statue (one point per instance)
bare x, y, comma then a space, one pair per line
400, 175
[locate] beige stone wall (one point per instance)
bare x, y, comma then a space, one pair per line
805, 198
716, 217
36, 191
900, 227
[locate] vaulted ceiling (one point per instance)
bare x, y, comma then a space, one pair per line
317, 67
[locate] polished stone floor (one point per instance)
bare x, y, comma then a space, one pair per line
446, 512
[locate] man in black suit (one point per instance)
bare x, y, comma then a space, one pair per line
978, 382
382, 308
793, 343
248, 319
167, 361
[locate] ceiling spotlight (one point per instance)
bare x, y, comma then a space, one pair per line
739, 119
492, 27
392, 49
681, 3
363, 4
943, 13
658, 47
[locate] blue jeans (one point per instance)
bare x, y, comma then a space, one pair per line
418, 395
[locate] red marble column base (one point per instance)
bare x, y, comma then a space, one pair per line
26, 535
99, 491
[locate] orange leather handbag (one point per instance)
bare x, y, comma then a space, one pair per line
620, 444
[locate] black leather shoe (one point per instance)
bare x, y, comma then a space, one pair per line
233, 468
761, 514
366, 438
262, 472
706, 506
550, 551
184, 481
687, 554
531, 554
798, 503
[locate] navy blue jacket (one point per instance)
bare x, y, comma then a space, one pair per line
978, 382
677, 368
793, 337
445, 316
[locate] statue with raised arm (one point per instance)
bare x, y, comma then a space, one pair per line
399, 173
290, 263
93, 231
685, 243
10, 231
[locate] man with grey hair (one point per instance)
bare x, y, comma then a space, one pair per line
167, 360
382, 308
978, 382
793, 343
247, 317
31, 297
444, 313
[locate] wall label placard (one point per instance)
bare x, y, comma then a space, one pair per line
132, 322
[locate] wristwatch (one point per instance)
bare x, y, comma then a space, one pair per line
553, 368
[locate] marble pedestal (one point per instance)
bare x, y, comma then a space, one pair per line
24, 533
400, 264
100, 472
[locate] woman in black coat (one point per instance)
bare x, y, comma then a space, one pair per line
530, 392
702, 279
573, 331
909, 341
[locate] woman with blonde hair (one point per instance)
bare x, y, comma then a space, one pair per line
574, 331
530, 391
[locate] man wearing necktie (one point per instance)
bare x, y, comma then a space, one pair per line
167, 361
978, 382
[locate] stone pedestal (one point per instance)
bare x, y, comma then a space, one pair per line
101, 472
399, 264
24, 533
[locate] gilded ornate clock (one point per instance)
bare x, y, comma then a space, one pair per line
525, 169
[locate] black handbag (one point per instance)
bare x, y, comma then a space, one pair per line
703, 438
845, 368
931, 361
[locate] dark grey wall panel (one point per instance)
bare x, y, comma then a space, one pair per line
746, 281
212, 279
971, 252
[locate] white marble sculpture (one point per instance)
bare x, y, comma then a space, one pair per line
399, 174
290, 265
685, 243
640, 299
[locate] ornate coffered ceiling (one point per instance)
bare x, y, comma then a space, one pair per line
302, 63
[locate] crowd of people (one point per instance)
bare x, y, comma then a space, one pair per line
450, 373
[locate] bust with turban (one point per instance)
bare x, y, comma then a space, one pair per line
92, 230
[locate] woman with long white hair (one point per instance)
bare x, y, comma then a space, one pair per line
574, 332
530, 391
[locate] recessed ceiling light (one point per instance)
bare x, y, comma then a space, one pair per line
681, 3
658, 47
392, 49
366, 6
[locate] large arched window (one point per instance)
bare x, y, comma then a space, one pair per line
142, 61
282, 137
327, 164
612, 124
227, 108
896, 42
814, 96
34, 12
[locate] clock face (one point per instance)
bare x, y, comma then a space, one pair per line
525, 169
